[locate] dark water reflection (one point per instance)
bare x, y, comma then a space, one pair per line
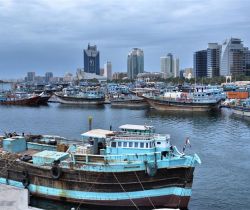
222, 141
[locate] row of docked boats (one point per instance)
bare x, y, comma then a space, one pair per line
174, 99
132, 167
198, 99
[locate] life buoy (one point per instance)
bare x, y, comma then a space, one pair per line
56, 172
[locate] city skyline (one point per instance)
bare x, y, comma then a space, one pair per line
44, 36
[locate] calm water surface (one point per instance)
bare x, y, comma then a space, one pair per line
221, 139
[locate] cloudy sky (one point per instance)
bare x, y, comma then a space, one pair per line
49, 35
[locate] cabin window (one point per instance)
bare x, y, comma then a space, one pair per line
146, 145
136, 144
130, 144
124, 144
113, 144
158, 142
119, 144
141, 145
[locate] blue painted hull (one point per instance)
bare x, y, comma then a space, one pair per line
169, 187
175, 197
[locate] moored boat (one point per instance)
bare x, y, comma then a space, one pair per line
19, 99
242, 108
88, 97
43, 98
129, 101
201, 100
134, 167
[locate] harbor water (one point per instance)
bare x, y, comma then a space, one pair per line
221, 139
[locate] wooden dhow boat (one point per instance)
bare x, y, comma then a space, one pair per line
134, 167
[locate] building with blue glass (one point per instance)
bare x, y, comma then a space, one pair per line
91, 57
135, 63
200, 63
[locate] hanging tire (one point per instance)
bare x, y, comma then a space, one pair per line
26, 182
56, 172
25, 174
151, 169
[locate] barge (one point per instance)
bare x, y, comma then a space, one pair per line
134, 167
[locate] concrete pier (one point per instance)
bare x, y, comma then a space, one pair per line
12, 198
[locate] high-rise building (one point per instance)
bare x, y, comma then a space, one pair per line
247, 61
48, 76
108, 70
31, 76
213, 60
200, 64
91, 60
169, 66
135, 63
119, 75
232, 57
101, 71
176, 67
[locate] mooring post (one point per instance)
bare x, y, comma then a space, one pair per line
90, 122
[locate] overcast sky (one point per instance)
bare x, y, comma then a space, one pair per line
50, 35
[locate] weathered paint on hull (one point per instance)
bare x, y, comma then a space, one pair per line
158, 105
241, 112
43, 100
79, 101
172, 197
167, 201
27, 101
129, 104
102, 188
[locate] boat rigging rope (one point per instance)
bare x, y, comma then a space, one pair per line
126, 192
90, 188
9, 162
144, 190
186, 180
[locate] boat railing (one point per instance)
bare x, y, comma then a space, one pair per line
106, 159
142, 136
122, 138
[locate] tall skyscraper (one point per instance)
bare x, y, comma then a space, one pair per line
169, 66
213, 60
31, 76
92, 60
200, 64
247, 61
176, 67
232, 57
48, 76
135, 63
108, 70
